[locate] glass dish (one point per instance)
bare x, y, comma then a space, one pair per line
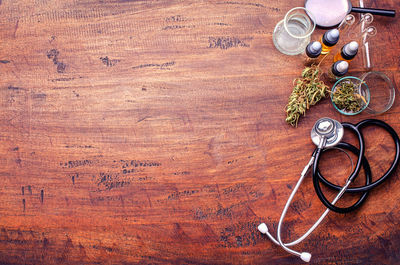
382, 92
361, 95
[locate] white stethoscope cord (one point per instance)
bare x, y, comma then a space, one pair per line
305, 256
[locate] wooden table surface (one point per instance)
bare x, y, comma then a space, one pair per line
153, 132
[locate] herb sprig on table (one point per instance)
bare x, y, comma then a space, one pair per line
307, 91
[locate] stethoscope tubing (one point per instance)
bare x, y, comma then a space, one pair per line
368, 176
317, 177
340, 146
387, 174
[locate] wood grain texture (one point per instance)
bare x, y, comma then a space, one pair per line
153, 132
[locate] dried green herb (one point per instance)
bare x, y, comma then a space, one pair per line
347, 97
307, 91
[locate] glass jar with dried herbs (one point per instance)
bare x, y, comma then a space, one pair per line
350, 95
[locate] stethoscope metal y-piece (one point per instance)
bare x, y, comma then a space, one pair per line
326, 134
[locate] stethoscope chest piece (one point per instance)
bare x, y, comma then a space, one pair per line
327, 128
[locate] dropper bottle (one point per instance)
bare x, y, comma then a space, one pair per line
338, 70
329, 39
312, 53
347, 53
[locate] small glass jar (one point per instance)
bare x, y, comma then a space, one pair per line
292, 34
382, 92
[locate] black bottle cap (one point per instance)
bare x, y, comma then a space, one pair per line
313, 49
331, 37
340, 68
349, 51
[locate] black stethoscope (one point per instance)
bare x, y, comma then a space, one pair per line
328, 133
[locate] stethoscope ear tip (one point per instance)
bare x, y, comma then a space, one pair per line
263, 228
305, 256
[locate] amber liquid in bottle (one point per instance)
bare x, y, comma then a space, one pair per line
325, 49
331, 76
347, 53
338, 70
329, 40
312, 53
339, 57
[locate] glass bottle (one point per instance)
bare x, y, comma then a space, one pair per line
312, 53
338, 70
329, 39
347, 53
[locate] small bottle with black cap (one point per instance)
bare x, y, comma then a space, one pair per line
347, 53
338, 70
329, 39
312, 53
